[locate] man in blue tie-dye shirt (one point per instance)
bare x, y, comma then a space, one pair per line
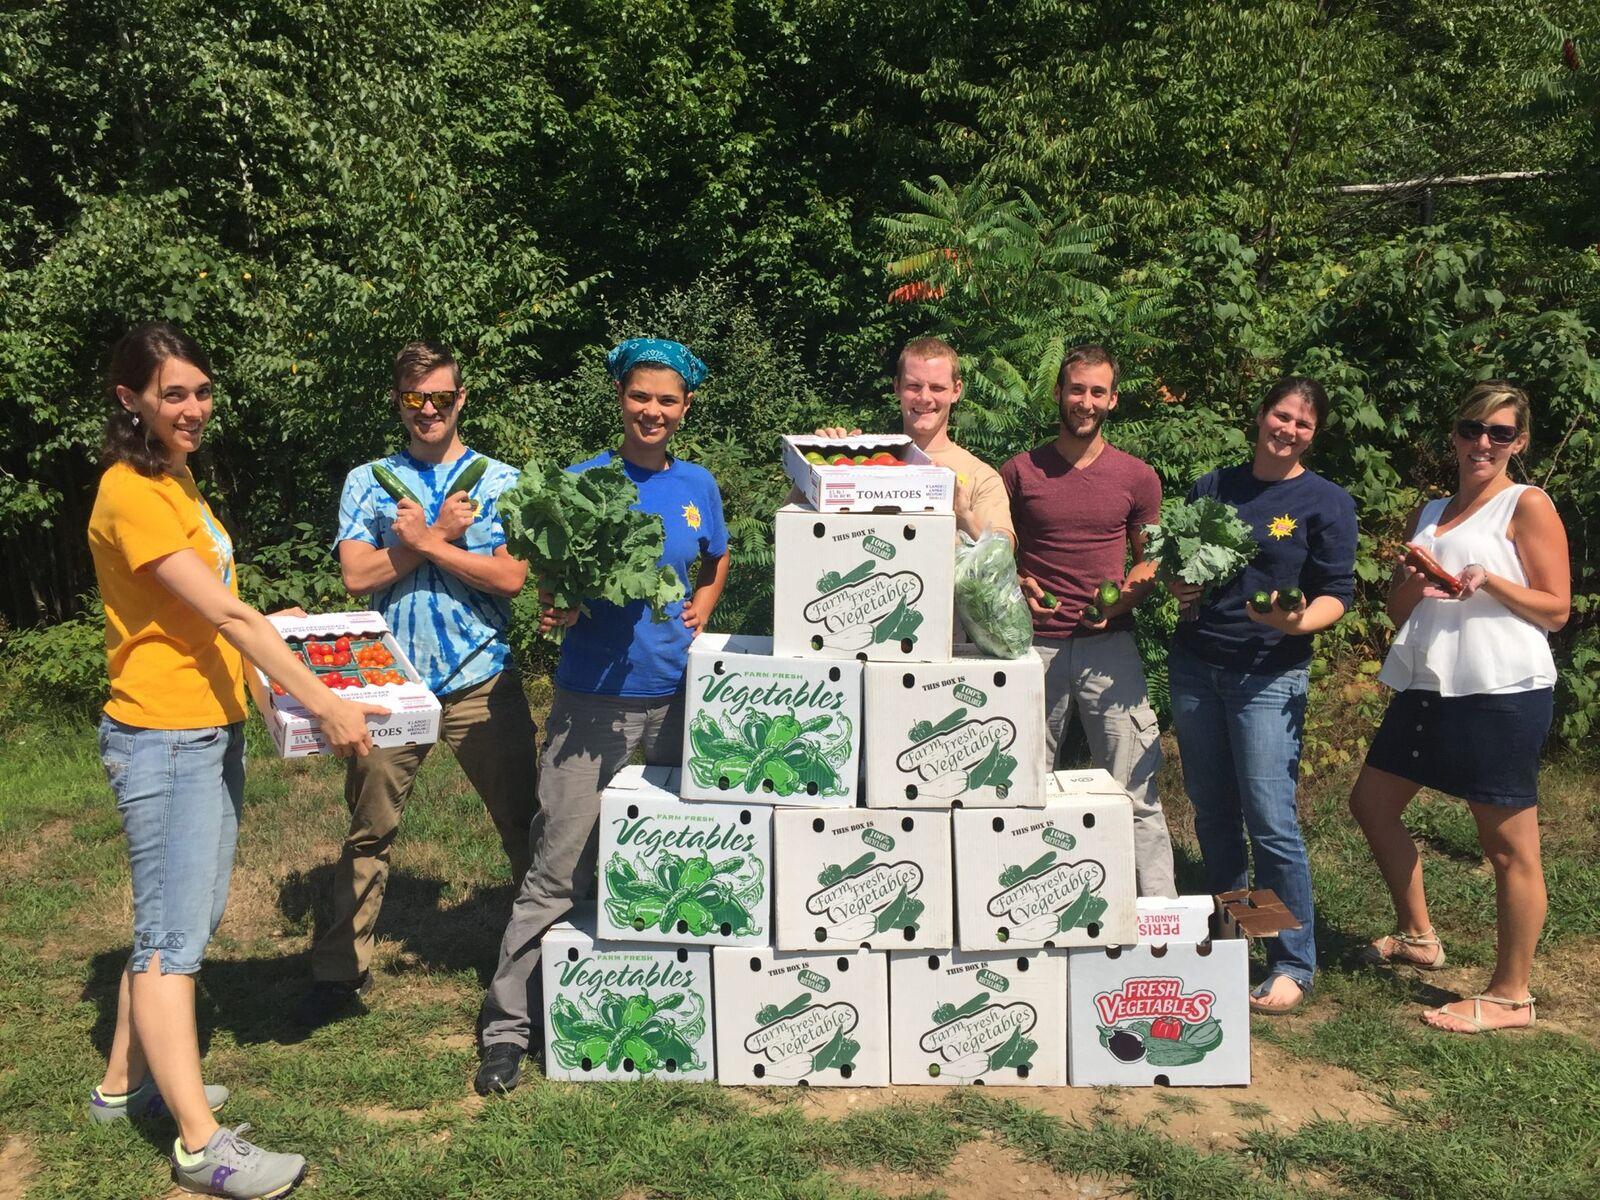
441, 575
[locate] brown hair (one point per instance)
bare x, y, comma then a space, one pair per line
932, 348
134, 361
1090, 354
421, 357
1485, 399
1306, 388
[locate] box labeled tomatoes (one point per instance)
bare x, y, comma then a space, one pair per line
1169, 1015
867, 473
355, 655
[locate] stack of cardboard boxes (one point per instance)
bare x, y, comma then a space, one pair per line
862, 872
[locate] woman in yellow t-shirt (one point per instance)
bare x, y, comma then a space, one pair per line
172, 742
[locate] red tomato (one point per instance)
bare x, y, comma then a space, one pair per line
843, 460
341, 659
342, 644
884, 459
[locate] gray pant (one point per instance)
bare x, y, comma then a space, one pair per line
588, 739
1105, 677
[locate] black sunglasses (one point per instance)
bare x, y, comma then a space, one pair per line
1500, 435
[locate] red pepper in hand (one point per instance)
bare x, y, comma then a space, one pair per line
1427, 566
1169, 1028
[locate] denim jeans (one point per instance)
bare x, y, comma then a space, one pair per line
179, 792
1239, 738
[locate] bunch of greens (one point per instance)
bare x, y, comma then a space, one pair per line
647, 1032
583, 540
1203, 542
988, 599
777, 753
695, 891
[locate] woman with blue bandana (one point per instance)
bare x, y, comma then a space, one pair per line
618, 688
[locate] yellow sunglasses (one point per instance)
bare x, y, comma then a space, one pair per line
441, 400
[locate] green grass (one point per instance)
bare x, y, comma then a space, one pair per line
381, 1103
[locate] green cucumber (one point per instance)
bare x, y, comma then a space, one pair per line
1048, 600
1092, 614
469, 478
392, 483
1289, 599
1261, 602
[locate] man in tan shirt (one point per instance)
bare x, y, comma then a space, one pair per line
927, 382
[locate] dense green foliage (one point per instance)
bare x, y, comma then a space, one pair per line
308, 185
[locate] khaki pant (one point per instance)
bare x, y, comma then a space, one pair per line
1104, 676
588, 739
492, 734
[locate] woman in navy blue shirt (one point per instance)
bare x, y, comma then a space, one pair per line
1239, 678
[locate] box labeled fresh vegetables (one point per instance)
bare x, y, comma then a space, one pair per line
956, 1017
1173, 1015
873, 877
615, 1011
815, 1019
355, 655
867, 473
760, 729
1057, 876
864, 585
967, 733
671, 871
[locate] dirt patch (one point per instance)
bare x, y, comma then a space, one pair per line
382, 1114
985, 1170
1286, 1093
18, 1166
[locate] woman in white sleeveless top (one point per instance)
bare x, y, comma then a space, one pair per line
1474, 684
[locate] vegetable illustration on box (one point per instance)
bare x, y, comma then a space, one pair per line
801, 1038
863, 608
651, 1034
583, 540
703, 895
977, 1037
1151, 1020
1046, 897
866, 897
955, 755
775, 753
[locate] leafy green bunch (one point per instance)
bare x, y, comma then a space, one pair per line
1203, 542
583, 540
777, 753
694, 890
647, 1032
988, 599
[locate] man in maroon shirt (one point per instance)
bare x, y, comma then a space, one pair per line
1079, 504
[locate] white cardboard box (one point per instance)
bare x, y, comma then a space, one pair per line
873, 877
673, 871
1169, 1015
594, 992
1089, 781
1058, 876
413, 717
817, 1019
872, 586
1185, 920
760, 729
638, 782
968, 733
920, 484
978, 1018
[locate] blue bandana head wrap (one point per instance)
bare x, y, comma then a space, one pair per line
656, 352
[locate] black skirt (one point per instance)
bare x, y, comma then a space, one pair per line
1481, 748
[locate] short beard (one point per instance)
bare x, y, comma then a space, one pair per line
1085, 437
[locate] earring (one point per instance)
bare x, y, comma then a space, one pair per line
136, 420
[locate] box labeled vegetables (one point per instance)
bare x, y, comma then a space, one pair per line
966, 733
760, 729
873, 586
615, 1011
867, 473
356, 655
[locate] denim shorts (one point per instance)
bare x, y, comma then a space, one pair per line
1481, 748
179, 792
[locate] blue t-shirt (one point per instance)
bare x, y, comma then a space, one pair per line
454, 634
1306, 528
621, 651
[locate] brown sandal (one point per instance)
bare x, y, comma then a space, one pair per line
1475, 1023
1385, 951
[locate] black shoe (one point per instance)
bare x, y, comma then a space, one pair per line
328, 1000
501, 1069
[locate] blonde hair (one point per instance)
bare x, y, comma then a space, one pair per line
929, 347
1485, 399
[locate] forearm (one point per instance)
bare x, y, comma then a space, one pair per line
709, 581
497, 574
1322, 613
1141, 581
1544, 609
250, 633
372, 567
